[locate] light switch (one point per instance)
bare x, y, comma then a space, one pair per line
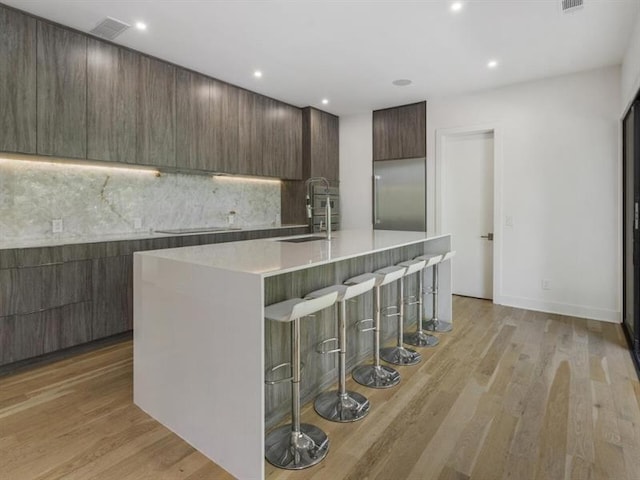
508, 221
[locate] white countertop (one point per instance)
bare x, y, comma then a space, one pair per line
116, 237
268, 257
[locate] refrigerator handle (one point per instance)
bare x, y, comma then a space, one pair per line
376, 220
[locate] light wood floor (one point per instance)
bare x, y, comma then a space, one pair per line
509, 394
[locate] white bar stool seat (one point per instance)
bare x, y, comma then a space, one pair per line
295, 446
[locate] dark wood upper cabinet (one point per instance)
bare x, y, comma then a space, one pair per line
250, 132
112, 99
156, 125
282, 140
400, 132
61, 92
320, 145
224, 127
17, 82
194, 142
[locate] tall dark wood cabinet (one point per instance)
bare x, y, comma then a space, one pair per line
112, 100
250, 127
400, 132
194, 147
156, 120
61, 92
320, 158
17, 82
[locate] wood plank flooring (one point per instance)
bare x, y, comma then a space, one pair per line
509, 394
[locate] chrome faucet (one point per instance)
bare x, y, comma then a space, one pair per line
327, 210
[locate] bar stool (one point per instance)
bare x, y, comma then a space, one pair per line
435, 325
376, 375
295, 446
342, 405
399, 355
419, 338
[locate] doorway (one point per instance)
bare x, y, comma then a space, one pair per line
467, 208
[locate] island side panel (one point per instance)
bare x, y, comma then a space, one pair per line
198, 359
320, 371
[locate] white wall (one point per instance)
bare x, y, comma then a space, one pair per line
560, 155
631, 67
356, 169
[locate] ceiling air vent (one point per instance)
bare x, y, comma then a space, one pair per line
109, 28
569, 6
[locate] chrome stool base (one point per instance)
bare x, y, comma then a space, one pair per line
437, 326
379, 376
295, 451
421, 339
400, 355
348, 408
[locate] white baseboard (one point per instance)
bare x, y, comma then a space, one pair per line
591, 313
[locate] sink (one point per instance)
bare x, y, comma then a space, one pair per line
198, 230
302, 239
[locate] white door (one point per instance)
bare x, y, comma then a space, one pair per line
467, 212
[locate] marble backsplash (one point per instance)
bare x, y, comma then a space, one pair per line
94, 200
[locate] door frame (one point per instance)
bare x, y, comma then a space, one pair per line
440, 175
632, 339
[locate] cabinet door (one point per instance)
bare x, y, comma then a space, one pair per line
61, 92
112, 97
322, 147
412, 128
156, 126
385, 134
224, 127
194, 145
250, 132
112, 299
282, 140
292, 151
17, 82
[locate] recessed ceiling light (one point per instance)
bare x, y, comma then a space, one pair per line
492, 64
402, 82
325, 101
456, 6
141, 25
257, 74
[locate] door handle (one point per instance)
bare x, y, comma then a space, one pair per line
488, 236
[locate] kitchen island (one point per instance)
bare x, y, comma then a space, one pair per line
201, 344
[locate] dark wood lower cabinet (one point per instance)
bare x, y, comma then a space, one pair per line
52, 298
112, 298
46, 331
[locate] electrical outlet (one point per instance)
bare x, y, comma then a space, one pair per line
508, 221
546, 284
137, 223
56, 225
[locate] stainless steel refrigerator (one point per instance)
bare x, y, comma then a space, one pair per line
399, 198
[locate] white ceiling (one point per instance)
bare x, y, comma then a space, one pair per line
351, 51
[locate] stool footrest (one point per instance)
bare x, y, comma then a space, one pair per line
366, 320
268, 381
320, 346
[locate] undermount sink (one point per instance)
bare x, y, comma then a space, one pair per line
198, 230
302, 239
